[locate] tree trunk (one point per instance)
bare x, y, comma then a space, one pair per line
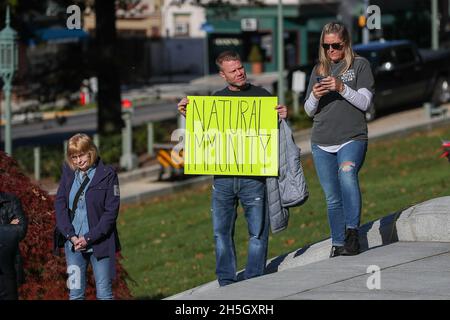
109, 101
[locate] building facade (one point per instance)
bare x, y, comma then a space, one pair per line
142, 18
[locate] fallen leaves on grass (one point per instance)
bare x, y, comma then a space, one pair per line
199, 256
289, 242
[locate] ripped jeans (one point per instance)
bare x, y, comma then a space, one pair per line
251, 193
338, 176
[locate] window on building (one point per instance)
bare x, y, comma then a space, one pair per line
181, 25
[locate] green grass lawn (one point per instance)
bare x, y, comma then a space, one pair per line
168, 244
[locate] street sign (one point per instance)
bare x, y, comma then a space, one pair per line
249, 24
298, 81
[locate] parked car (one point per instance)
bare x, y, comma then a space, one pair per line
403, 74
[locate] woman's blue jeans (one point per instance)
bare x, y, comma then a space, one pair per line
77, 263
226, 193
338, 176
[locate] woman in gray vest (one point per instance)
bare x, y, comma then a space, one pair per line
340, 91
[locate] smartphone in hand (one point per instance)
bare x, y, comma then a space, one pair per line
320, 78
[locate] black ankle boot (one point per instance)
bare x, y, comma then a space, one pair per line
336, 251
351, 246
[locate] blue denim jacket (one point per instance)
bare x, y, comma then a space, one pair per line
80, 221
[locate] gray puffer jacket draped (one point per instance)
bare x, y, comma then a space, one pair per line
289, 189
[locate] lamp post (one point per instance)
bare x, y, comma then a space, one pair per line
434, 25
365, 31
128, 159
8, 65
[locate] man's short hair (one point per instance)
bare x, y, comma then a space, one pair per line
227, 56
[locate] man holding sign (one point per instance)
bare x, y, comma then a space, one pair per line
231, 183
228, 135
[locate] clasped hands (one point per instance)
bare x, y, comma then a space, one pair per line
79, 243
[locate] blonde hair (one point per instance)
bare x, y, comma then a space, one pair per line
227, 56
324, 64
81, 143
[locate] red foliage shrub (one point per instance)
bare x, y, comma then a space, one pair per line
45, 274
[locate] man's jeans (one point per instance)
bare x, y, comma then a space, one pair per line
338, 176
226, 193
77, 263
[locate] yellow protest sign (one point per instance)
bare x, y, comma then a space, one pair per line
231, 136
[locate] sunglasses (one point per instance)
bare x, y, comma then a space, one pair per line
335, 46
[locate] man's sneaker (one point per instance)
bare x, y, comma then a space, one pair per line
336, 251
351, 246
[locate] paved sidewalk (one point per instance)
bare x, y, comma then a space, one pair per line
408, 270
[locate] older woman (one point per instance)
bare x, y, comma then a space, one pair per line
340, 91
87, 204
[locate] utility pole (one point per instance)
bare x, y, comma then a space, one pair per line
281, 98
434, 25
